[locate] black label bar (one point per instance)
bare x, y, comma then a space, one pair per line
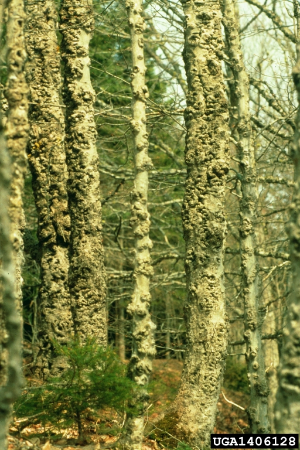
273, 441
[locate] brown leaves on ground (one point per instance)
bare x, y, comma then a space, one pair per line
230, 418
163, 388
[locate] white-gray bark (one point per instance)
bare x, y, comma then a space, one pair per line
192, 416
87, 274
271, 356
17, 128
239, 96
143, 344
287, 408
47, 163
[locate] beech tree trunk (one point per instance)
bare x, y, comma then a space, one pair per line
143, 343
120, 331
49, 175
87, 275
3, 334
239, 96
206, 118
271, 356
287, 408
16, 130
11, 184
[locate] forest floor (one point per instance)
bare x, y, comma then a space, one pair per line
165, 382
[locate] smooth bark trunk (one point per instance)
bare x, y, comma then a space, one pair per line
206, 116
46, 157
87, 275
143, 344
241, 123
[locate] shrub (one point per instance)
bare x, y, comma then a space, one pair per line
94, 379
235, 377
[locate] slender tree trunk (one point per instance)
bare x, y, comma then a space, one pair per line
143, 344
47, 163
287, 408
120, 315
168, 326
206, 118
239, 95
271, 356
3, 334
120, 332
16, 93
11, 184
87, 275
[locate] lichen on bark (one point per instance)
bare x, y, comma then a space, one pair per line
11, 377
206, 118
287, 408
11, 184
46, 157
143, 344
16, 130
242, 133
87, 274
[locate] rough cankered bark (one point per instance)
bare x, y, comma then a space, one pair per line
11, 383
3, 334
206, 118
143, 344
17, 127
16, 93
239, 97
48, 167
287, 408
86, 276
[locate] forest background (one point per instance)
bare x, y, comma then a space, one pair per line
268, 33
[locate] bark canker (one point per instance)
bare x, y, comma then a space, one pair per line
11, 184
49, 176
16, 130
87, 275
206, 118
287, 408
143, 344
241, 124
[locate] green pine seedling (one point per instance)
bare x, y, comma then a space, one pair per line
94, 379
183, 446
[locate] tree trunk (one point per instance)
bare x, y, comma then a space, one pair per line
168, 328
206, 118
16, 129
239, 96
3, 148
120, 330
271, 356
287, 408
87, 275
47, 163
11, 182
143, 344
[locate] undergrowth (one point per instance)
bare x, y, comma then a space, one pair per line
94, 379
